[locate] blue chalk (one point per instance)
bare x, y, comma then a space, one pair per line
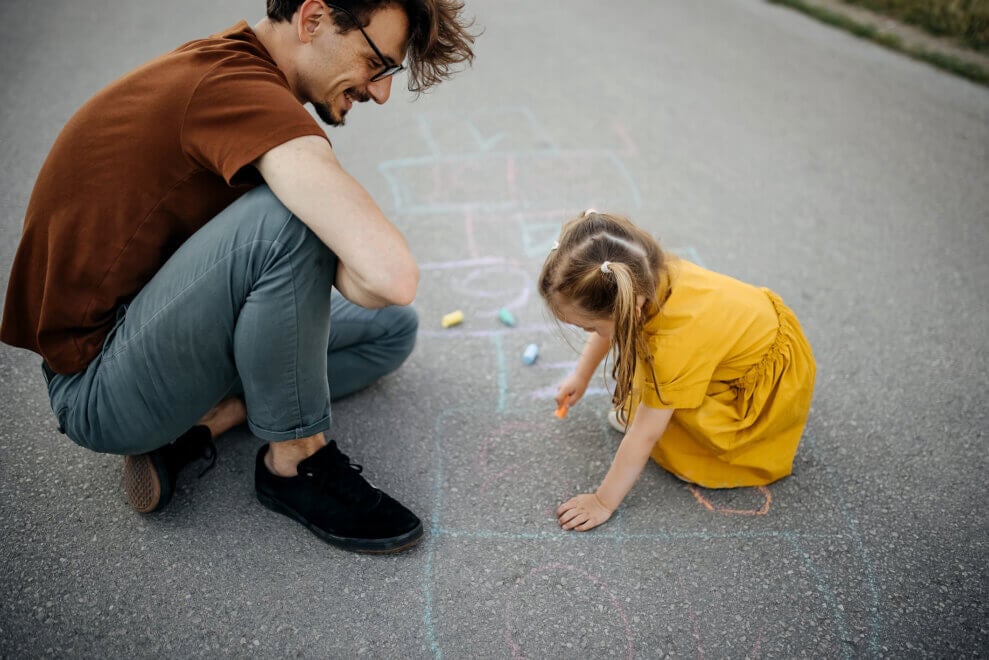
530, 354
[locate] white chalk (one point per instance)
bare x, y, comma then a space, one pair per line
530, 354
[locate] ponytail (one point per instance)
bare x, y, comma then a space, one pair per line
628, 342
605, 265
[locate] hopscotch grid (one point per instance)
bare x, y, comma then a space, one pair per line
426, 131
598, 537
502, 372
826, 592
392, 169
620, 537
869, 572
404, 204
425, 122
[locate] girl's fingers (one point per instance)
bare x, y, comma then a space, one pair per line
577, 520
566, 506
585, 526
569, 515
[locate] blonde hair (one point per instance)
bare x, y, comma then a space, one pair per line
602, 265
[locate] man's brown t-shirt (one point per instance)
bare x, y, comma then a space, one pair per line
135, 172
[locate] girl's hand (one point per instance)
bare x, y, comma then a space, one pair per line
570, 390
582, 512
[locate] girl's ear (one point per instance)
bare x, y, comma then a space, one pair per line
640, 304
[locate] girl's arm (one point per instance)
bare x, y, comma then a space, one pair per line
573, 386
589, 510
595, 348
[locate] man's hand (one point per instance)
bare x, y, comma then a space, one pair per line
582, 512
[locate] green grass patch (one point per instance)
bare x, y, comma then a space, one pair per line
959, 67
973, 72
966, 21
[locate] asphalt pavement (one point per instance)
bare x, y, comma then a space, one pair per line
851, 180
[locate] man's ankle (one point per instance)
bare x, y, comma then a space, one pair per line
284, 457
224, 416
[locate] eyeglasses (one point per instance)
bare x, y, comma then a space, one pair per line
387, 69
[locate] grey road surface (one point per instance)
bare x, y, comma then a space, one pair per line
853, 181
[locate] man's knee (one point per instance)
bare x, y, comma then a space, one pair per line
272, 218
271, 225
260, 201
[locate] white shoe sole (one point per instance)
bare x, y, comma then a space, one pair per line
616, 423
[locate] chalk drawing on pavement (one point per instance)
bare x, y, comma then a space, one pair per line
497, 180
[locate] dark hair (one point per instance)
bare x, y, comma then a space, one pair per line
439, 37
636, 267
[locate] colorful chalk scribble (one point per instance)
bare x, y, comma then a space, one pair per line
498, 176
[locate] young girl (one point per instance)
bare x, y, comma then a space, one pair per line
714, 376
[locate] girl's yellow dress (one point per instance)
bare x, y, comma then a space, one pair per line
733, 362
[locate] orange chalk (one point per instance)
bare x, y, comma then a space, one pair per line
561, 412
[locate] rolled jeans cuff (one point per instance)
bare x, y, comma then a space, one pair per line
279, 436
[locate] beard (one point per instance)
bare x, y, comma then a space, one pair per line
325, 112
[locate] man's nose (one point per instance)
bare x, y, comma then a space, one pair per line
380, 90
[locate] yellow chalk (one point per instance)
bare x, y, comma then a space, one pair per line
453, 318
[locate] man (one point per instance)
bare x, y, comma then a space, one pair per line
180, 245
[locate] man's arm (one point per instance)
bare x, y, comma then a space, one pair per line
377, 268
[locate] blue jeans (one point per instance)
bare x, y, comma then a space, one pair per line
244, 308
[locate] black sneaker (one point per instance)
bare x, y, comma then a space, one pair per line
332, 499
149, 479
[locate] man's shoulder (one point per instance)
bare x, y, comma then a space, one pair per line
235, 47
225, 68
238, 38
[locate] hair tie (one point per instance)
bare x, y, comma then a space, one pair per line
556, 244
606, 267
587, 212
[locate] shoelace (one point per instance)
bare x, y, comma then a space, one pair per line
336, 473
